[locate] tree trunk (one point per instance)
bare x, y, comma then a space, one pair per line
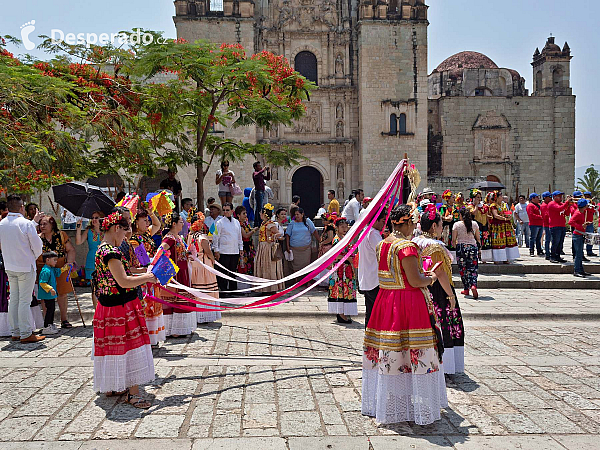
199, 165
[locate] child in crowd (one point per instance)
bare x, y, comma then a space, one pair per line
47, 289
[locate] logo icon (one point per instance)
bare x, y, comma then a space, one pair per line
26, 30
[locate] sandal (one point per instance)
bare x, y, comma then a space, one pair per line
139, 402
115, 394
66, 324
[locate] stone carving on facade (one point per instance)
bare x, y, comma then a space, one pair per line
339, 65
339, 111
340, 191
339, 129
274, 173
305, 13
274, 131
490, 133
340, 171
310, 122
491, 120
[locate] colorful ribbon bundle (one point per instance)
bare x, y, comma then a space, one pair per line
387, 195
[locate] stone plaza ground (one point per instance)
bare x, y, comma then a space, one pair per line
290, 378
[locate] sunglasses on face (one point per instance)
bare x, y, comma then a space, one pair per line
95, 218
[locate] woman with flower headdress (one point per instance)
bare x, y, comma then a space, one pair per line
328, 233
178, 321
144, 225
402, 372
269, 264
481, 214
497, 228
446, 211
442, 291
200, 277
246, 262
122, 353
343, 282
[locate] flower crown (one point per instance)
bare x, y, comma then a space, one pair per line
447, 194
459, 195
330, 216
198, 223
339, 219
474, 193
111, 219
269, 207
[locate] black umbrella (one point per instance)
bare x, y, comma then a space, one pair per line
487, 186
82, 199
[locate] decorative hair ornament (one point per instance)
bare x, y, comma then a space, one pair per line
431, 211
474, 193
198, 224
459, 196
191, 214
168, 219
447, 194
340, 219
110, 220
269, 207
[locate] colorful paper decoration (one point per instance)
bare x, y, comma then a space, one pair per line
131, 202
212, 231
142, 255
164, 269
162, 204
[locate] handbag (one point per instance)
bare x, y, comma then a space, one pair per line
235, 189
276, 252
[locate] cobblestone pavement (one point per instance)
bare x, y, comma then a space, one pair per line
290, 383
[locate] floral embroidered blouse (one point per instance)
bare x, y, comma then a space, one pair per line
107, 290
57, 244
179, 256
142, 239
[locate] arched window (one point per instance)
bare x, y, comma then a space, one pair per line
557, 77
393, 124
402, 124
306, 64
538, 80
502, 81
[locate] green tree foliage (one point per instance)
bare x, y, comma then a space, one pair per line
590, 181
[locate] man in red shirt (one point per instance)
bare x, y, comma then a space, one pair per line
578, 225
558, 229
591, 210
546, 198
577, 195
536, 224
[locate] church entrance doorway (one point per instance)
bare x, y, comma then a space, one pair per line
307, 182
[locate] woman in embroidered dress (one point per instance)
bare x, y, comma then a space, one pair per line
246, 262
497, 228
145, 225
268, 237
481, 214
446, 211
343, 282
402, 374
122, 352
442, 291
200, 277
512, 249
178, 321
57, 241
326, 243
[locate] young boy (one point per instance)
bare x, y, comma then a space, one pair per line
47, 289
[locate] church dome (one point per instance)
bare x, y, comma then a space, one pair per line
465, 60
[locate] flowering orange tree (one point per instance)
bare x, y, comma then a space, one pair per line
211, 88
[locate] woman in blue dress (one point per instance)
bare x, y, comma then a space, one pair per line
93, 238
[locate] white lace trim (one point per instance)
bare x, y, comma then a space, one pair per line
180, 324
347, 309
454, 360
512, 253
499, 254
153, 324
119, 372
404, 397
486, 255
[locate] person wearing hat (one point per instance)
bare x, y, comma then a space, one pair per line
214, 210
546, 199
536, 224
556, 220
427, 193
591, 210
577, 195
578, 224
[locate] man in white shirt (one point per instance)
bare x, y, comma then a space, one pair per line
522, 221
368, 278
228, 246
352, 209
21, 246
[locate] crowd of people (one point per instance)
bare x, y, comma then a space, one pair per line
414, 333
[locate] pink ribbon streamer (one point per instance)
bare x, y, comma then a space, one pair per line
396, 180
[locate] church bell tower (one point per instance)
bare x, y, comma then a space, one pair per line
552, 70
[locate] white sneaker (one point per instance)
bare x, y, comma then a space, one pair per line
49, 330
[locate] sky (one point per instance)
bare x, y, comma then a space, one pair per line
508, 32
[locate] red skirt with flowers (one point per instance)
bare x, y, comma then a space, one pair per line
122, 352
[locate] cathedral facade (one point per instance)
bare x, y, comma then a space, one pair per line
468, 120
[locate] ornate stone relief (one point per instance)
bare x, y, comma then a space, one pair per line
303, 14
339, 129
339, 111
311, 121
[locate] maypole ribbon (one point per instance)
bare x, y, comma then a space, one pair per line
393, 184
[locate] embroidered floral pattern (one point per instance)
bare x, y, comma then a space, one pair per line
103, 280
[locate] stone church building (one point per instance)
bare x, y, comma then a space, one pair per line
468, 120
